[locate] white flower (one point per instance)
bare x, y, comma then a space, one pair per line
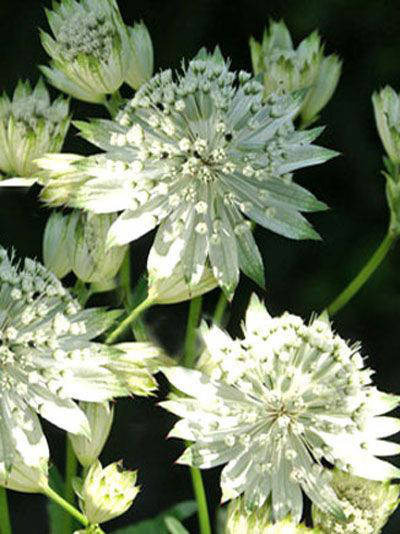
30, 126
100, 417
367, 505
107, 492
141, 58
277, 403
47, 358
89, 50
197, 155
286, 68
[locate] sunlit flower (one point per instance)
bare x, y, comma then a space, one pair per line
107, 492
286, 68
274, 405
47, 359
89, 51
30, 126
199, 155
367, 505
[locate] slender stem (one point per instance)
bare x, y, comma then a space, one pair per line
134, 314
5, 521
188, 361
71, 466
51, 494
190, 339
220, 309
125, 279
200, 494
369, 268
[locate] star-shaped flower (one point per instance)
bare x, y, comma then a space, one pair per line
275, 406
200, 155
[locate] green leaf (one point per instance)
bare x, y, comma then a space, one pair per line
157, 524
174, 526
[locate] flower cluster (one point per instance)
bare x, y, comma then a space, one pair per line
277, 404
47, 360
285, 68
200, 155
30, 126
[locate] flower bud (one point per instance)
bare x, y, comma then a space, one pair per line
141, 57
242, 521
286, 68
387, 116
107, 493
30, 126
91, 261
367, 505
89, 48
100, 417
55, 255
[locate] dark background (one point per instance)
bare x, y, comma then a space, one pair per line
301, 276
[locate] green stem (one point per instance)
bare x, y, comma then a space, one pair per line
76, 514
125, 279
113, 103
220, 309
369, 268
134, 314
71, 466
200, 494
189, 354
5, 521
189, 361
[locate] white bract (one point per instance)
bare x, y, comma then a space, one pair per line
274, 405
286, 68
107, 492
90, 49
30, 126
29, 475
100, 417
47, 359
199, 155
141, 57
367, 505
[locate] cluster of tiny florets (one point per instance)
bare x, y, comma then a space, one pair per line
92, 35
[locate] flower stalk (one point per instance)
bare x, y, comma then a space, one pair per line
363, 276
71, 466
5, 521
134, 314
71, 510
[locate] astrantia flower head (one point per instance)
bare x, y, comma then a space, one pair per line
47, 359
274, 405
30, 126
387, 117
286, 68
199, 155
367, 504
141, 57
89, 50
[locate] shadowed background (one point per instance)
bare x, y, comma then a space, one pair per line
301, 276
